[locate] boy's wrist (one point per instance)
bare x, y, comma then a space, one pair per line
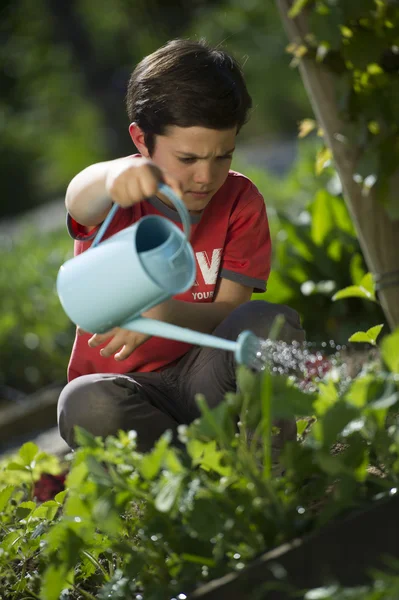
162, 312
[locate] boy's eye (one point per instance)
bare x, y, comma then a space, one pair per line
188, 161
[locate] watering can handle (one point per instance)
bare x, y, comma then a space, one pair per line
170, 194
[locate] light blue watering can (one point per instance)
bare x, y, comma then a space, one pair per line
111, 284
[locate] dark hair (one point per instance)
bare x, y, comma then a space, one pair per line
187, 83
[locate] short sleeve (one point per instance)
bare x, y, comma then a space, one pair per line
247, 252
78, 231
83, 238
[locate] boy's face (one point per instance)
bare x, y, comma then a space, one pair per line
198, 157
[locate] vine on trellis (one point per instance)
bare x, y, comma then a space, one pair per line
358, 40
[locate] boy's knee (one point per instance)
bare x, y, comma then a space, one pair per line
86, 402
259, 316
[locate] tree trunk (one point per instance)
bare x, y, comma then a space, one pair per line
378, 234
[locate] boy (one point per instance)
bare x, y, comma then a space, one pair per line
186, 103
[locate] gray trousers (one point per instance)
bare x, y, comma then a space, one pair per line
151, 403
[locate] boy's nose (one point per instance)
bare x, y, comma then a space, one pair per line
203, 173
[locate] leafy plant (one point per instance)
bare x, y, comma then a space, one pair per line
316, 253
159, 524
35, 334
357, 41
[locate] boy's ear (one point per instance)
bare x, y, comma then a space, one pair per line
137, 135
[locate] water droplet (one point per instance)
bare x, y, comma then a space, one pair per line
77, 520
182, 597
300, 510
154, 538
393, 491
237, 556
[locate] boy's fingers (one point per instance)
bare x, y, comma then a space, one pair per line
100, 338
112, 347
129, 348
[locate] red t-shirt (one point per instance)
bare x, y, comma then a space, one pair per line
230, 239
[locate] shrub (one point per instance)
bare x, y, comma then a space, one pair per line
35, 334
159, 524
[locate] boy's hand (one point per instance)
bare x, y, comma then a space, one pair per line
122, 339
131, 179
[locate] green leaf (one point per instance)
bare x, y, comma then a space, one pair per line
207, 456
390, 351
86, 439
168, 493
54, 581
297, 7
385, 402
301, 425
367, 283
107, 516
365, 289
323, 160
334, 421
10, 539
60, 497
76, 507
151, 463
360, 336
14, 466
25, 508
98, 472
28, 453
322, 217
358, 393
332, 465
306, 126
369, 336
289, 401
5, 495
356, 268
47, 510
326, 398
77, 475
200, 560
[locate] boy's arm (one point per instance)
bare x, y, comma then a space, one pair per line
86, 198
200, 317
124, 180
203, 317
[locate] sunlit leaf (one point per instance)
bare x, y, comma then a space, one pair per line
370, 336
297, 8
168, 493
365, 289
5, 495
55, 579
390, 351
322, 217
151, 463
306, 126
28, 453
358, 392
323, 160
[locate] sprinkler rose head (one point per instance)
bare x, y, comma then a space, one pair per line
248, 351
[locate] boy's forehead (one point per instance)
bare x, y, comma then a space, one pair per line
197, 138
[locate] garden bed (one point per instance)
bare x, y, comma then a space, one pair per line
344, 552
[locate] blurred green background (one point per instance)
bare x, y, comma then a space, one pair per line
64, 67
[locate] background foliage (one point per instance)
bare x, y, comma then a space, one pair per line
65, 67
